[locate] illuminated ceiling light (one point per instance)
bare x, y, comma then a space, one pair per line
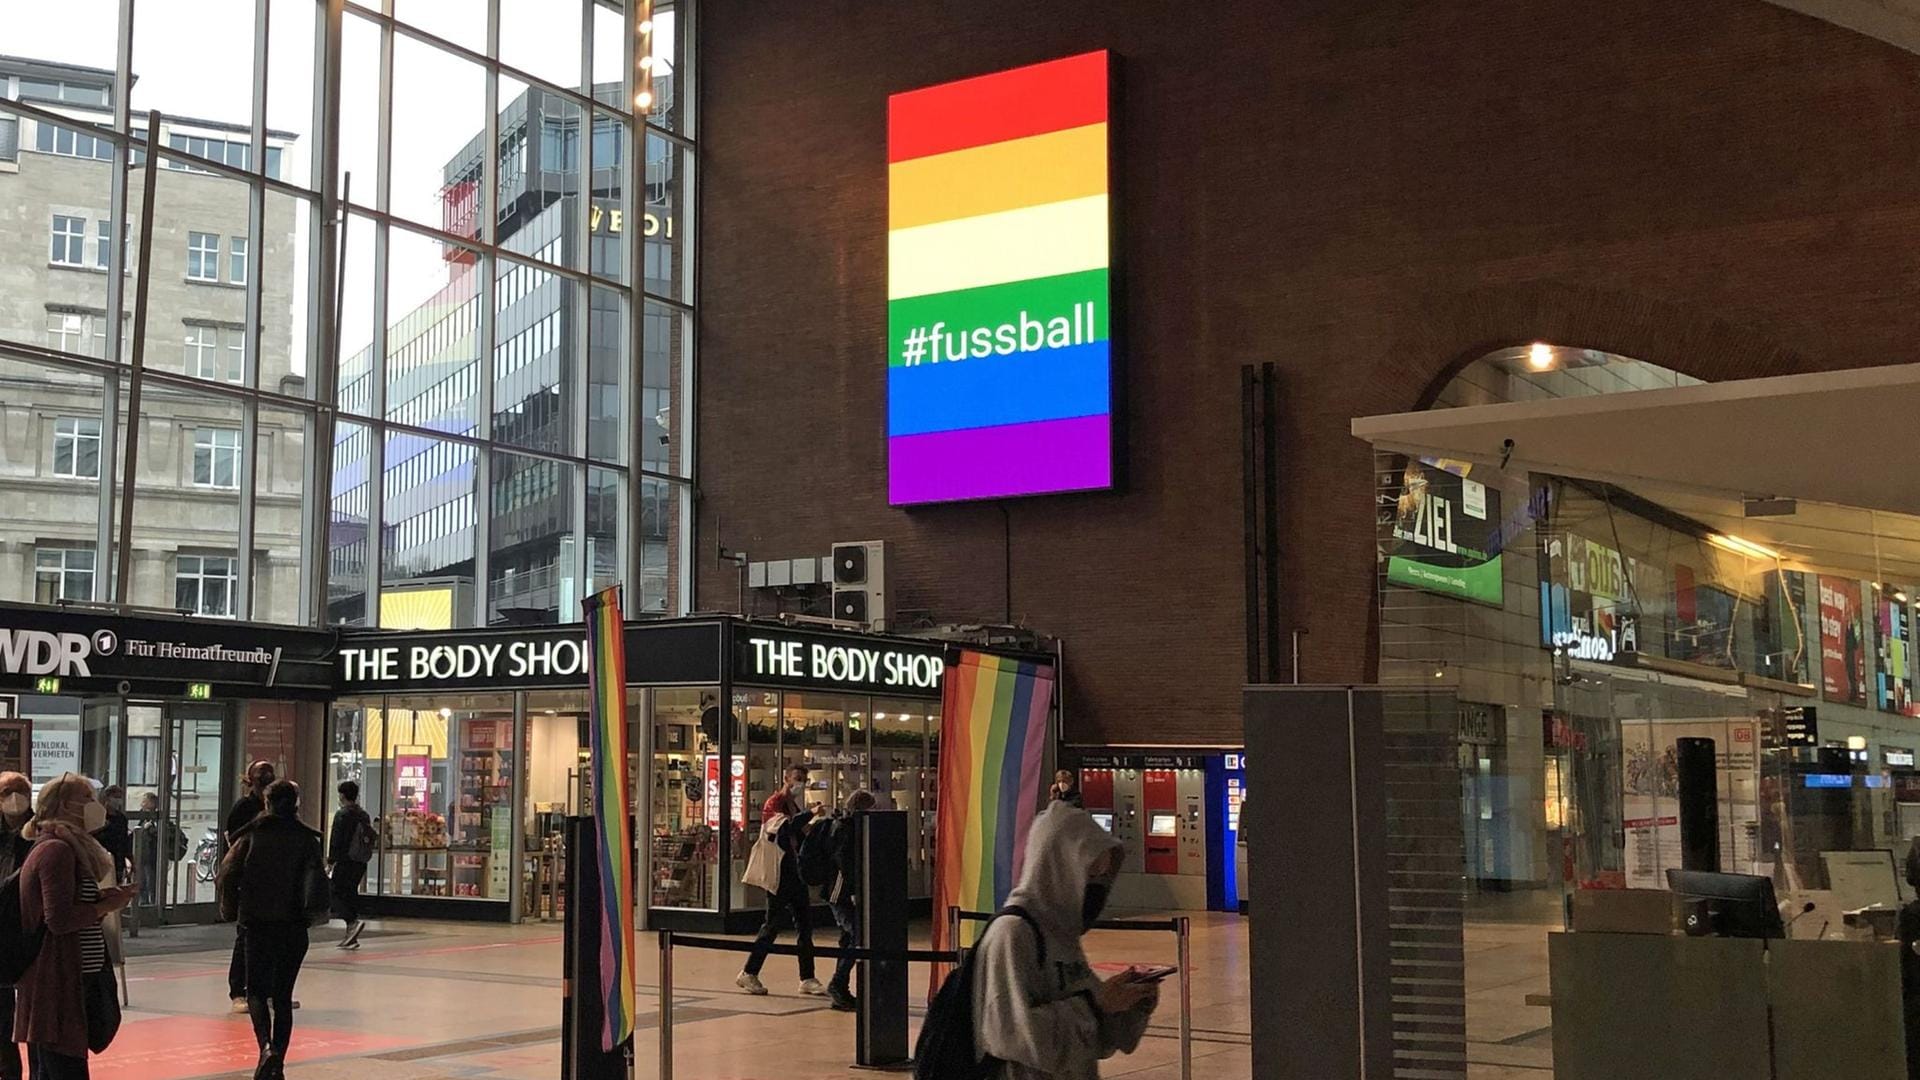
445, 713
1742, 547
1856, 742
646, 26
643, 99
646, 63
1540, 356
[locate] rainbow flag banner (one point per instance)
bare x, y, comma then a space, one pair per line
607, 682
993, 738
999, 366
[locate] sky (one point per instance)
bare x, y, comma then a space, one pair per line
193, 58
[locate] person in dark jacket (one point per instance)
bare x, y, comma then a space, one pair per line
117, 837
16, 808
344, 871
66, 886
844, 895
267, 886
245, 809
793, 903
1066, 789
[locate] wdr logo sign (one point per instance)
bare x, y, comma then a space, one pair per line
43, 652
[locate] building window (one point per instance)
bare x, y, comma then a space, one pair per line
203, 584
237, 260
9, 138
236, 351
216, 457
203, 352
76, 448
65, 141
69, 241
103, 247
62, 573
203, 256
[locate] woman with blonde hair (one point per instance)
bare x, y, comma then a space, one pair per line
68, 1004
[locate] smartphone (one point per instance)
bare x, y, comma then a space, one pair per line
1153, 973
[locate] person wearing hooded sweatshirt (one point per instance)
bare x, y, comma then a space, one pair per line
60, 889
265, 888
793, 902
16, 808
1057, 1021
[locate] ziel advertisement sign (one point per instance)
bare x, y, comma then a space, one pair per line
86, 651
767, 655
1447, 534
1000, 361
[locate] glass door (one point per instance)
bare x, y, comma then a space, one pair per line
180, 777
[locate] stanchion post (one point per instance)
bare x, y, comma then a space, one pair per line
953, 928
666, 1005
1182, 926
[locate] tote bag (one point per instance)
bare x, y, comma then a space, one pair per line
763, 862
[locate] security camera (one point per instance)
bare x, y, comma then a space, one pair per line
125, 688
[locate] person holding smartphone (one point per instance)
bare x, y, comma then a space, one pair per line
1053, 1018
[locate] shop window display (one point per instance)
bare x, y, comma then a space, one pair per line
687, 792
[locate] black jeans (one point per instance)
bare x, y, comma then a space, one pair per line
237, 967
274, 954
847, 918
47, 1065
9, 1050
782, 907
345, 884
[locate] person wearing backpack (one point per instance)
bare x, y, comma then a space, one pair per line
273, 884
68, 1002
1039, 1011
787, 815
840, 838
16, 808
349, 850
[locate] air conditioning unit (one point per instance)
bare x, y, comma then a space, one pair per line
860, 583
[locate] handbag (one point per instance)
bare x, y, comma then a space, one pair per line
763, 862
317, 896
101, 997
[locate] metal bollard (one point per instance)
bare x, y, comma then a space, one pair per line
1182, 927
953, 929
666, 1005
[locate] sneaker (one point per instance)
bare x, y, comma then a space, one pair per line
240, 1006
296, 1003
842, 1000
352, 940
750, 983
349, 946
812, 987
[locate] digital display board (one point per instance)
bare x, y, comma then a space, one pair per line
999, 358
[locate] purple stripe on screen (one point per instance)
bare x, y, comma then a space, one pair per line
999, 462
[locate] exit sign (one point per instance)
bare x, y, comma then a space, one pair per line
46, 684
200, 691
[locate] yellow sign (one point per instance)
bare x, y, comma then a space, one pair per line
416, 609
46, 684
200, 691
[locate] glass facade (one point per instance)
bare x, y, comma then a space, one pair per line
395, 367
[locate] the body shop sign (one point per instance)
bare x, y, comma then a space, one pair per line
788, 658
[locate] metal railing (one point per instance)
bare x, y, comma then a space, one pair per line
1180, 927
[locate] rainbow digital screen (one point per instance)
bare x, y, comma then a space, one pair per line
999, 365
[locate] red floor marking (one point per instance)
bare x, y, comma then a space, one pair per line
177, 1047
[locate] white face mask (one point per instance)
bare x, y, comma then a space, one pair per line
13, 805
93, 817
798, 790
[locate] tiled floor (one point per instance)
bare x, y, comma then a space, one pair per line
435, 1001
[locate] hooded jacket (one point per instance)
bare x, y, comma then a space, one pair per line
1042, 1023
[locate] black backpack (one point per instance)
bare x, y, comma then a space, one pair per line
19, 947
945, 1050
815, 859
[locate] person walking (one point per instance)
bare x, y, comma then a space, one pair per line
271, 885
246, 810
16, 809
1057, 1021
844, 895
68, 1004
117, 835
349, 849
786, 815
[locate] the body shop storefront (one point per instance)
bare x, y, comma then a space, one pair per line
469, 746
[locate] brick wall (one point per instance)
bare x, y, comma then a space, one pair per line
1368, 194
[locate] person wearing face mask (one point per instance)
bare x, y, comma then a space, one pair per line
273, 884
786, 813
15, 809
68, 1003
246, 810
1059, 1020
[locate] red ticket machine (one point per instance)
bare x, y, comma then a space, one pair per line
1160, 799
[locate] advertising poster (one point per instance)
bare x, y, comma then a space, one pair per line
16, 741
1893, 634
54, 752
1843, 655
738, 787
412, 773
1651, 790
1584, 599
1446, 534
